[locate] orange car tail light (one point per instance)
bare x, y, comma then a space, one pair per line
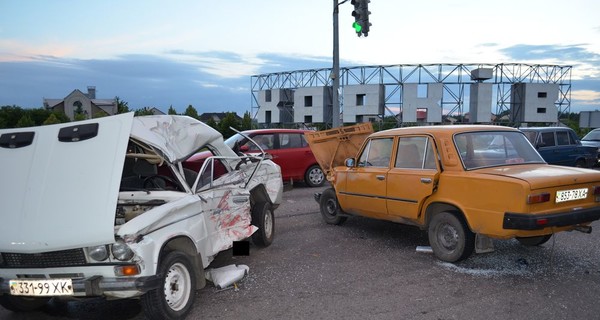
538, 198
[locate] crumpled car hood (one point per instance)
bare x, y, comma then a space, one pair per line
177, 137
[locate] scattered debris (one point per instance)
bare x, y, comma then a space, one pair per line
424, 249
228, 276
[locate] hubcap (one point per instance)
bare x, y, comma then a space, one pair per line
331, 207
316, 176
268, 224
177, 286
448, 237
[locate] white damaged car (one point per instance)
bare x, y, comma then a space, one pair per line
106, 207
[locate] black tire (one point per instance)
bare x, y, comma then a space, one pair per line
264, 218
22, 304
175, 298
330, 208
580, 164
314, 176
534, 241
450, 237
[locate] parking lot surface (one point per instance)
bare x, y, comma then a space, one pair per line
368, 269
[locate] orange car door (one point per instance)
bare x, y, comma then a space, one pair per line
366, 182
413, 176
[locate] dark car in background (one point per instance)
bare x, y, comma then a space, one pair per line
561, 146
288, 149
592, 139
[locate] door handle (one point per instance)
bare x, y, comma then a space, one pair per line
426, 180
380, 177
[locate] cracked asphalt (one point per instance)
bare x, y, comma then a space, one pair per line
369, 269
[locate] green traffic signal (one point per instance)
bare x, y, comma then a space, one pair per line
357, 27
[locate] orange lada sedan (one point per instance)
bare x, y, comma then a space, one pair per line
464, 184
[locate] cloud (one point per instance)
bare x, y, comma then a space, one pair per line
212, 81
577, 52
178, 79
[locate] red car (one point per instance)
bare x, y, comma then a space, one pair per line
288, 148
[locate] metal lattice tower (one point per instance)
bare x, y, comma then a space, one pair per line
455, 78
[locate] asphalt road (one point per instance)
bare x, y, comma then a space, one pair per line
368, 269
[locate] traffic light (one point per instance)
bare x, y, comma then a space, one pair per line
361, 17
356, 14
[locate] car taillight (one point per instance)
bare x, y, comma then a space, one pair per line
538, 198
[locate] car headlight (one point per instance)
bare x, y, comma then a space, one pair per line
98, 253
121, 251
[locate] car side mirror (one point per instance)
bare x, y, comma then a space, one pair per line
350, 162
244, 148
539, 145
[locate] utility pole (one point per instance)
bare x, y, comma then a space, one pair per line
361, 26
335, 74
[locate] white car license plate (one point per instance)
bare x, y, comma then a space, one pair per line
41, 287
568, 195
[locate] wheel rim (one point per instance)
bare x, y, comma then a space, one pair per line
330, 207
316, 176
448, 237
177, 286
268, 224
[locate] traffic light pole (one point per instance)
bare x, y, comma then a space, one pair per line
335, 74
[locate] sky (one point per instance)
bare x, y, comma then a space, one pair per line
203, 53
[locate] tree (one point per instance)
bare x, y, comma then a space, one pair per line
172, 110
246, 121
191, 112
52, 119
25, 121
10, 115
228, 121
122, 106
211, 122
80, 117
61, 116
100, 114
145, 111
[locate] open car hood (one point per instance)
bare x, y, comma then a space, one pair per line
60, 183
332, 147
